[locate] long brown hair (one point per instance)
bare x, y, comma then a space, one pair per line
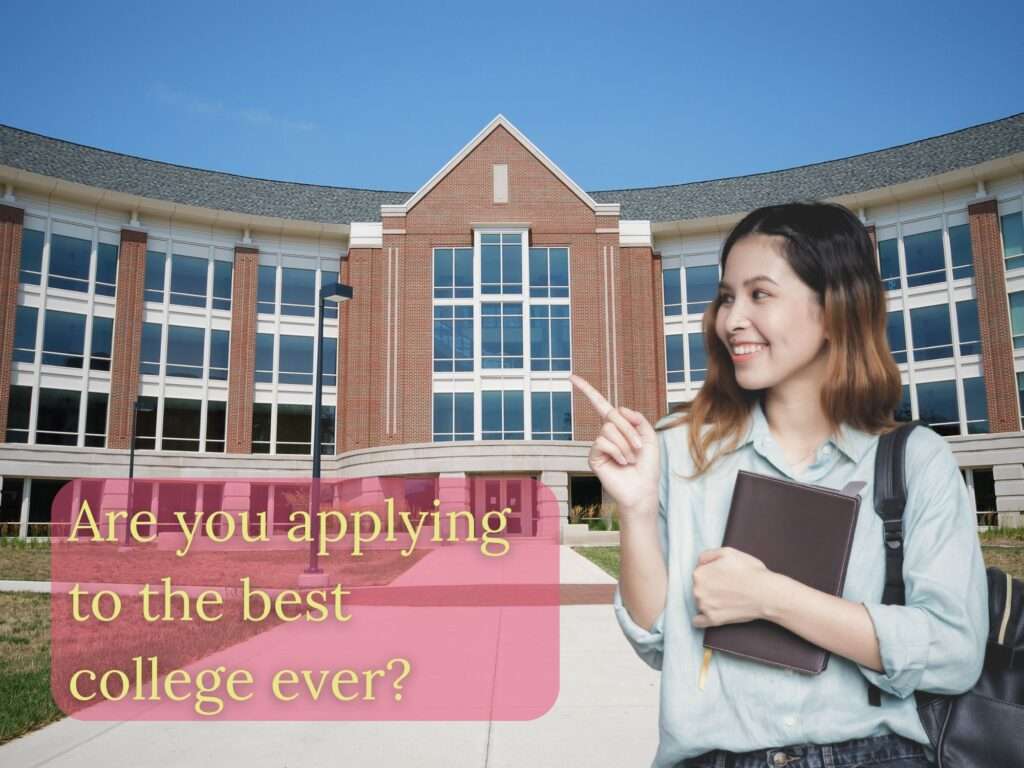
829, 250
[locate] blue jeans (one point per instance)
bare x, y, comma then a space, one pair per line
888, 751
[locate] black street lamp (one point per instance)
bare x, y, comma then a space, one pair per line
148, 408
337, 292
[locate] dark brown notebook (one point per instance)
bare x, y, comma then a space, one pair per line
803, 531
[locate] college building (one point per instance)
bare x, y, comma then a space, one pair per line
182, 302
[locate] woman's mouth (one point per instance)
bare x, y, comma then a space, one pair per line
745, 352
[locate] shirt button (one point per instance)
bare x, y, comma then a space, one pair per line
827, 450
781, 758
790, 721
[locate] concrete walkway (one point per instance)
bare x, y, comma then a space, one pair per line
606, 714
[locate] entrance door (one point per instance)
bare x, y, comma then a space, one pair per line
498, 493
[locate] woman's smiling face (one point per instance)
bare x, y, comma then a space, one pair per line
765, 304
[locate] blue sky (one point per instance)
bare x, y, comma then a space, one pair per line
380, 95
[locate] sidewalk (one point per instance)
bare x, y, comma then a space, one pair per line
606, 714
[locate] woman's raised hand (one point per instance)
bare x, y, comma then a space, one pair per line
625, 455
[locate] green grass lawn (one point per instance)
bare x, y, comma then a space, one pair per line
25, 700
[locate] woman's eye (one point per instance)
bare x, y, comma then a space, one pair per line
726, 298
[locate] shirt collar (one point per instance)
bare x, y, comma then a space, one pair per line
851, 441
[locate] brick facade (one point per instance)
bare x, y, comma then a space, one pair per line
385, 356
641, 332
242, 355
993, 317
124, 364
361, 352
11, 221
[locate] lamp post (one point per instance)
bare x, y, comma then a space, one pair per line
337, 292
131, 464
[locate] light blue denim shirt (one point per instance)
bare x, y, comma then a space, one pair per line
936, 642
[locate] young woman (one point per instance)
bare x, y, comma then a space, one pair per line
800, 384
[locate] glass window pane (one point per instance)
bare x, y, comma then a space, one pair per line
294, 428
298, 292
264, 357
19, 404
698, 359
540, 414
442, 413
673, 291
925, 261
185, 351
976, 403
329, 277
463, 273
216, 419
936, 401
492, 413
463, 415
1017, 318
561, 415
220, 349
967, 327
674, 357
930, 328
31, 256
513, 412
701, 287
295, 364
149, 351
330, 364
102, 333
222, 271
106, 269
63, 339
904, 411
188, 280
69, 263
897, 334
444, 276
266, 290
261, 428
96, 420
1013, 234
25, 319
181, 424
154, 281
960, 250
889, 263
57, 418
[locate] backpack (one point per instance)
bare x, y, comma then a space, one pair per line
983, 727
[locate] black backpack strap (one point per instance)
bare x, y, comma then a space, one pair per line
890, 501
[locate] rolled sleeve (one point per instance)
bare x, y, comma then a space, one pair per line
649, 644
936, 642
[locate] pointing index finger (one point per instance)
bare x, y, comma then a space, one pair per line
595, 397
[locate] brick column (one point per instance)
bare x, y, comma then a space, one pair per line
588, 344
242, 363
993, 317
361, 352
658, 321
639, 330
124, 365
11, 221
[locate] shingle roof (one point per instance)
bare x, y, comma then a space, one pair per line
189, 186
873, 170
100, 168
